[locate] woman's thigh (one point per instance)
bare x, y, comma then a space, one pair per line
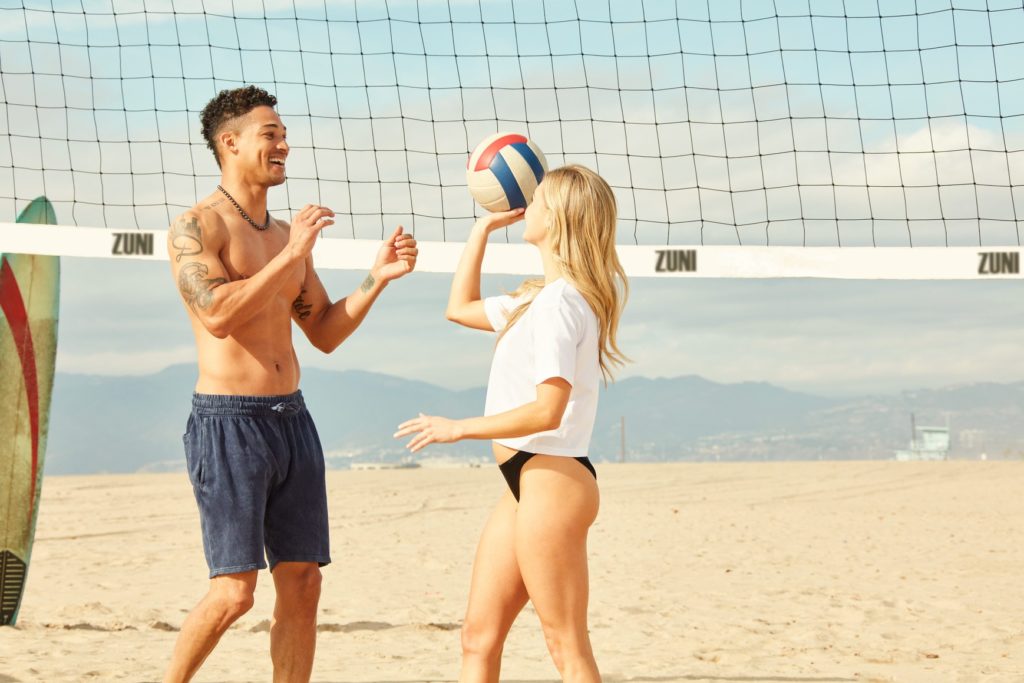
496, 592
559, 501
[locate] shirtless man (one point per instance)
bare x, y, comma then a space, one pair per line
252, 451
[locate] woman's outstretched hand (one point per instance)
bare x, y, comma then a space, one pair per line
499, 219
429, 429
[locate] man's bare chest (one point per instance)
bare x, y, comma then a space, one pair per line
249, 252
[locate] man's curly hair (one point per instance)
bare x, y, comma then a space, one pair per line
228, 105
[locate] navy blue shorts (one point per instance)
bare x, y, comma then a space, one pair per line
257, 470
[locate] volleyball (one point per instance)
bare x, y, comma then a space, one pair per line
504, 170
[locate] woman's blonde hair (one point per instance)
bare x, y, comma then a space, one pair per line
583, 215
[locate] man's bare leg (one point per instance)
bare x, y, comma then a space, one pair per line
293, 632
230, 596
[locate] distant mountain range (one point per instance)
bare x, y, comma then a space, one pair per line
135, 423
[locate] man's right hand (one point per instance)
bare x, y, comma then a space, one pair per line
306, 227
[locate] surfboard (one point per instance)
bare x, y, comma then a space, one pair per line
29, 299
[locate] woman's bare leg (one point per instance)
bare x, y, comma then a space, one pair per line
496, 596
558, 503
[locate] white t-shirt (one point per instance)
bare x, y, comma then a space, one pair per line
556, 337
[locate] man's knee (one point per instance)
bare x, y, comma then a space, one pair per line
233, 601
300, 586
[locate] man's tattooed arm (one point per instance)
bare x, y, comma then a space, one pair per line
367, 283
186, 238
195, 287
301, 308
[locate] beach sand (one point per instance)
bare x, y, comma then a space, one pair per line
804, 572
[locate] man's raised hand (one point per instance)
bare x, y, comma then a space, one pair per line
397, 256
306, 227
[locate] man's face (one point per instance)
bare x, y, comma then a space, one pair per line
260, 147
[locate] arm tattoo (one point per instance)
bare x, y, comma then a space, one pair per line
186, 238
301, 308
367, 284
195, 287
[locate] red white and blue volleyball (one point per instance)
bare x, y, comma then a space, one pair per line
504, 171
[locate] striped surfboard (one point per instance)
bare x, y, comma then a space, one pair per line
29, 301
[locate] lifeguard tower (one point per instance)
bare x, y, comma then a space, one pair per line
926, 443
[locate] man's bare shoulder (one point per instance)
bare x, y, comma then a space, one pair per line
208, 216
211, 203
196, 230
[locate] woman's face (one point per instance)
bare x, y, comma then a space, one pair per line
537, 217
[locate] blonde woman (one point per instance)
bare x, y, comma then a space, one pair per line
556, 340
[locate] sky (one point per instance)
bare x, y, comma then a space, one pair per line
810, 122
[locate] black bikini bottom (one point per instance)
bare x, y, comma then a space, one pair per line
513, 467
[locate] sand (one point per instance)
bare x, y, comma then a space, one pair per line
870, 571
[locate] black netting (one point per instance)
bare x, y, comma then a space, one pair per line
727, 122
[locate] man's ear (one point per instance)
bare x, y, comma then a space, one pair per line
228, 141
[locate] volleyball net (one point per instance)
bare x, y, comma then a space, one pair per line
751, 138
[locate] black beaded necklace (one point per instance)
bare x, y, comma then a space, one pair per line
266, 223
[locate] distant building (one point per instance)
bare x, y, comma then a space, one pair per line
404, 465
927, 443
972, 439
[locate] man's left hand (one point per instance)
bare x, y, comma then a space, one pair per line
397, 256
